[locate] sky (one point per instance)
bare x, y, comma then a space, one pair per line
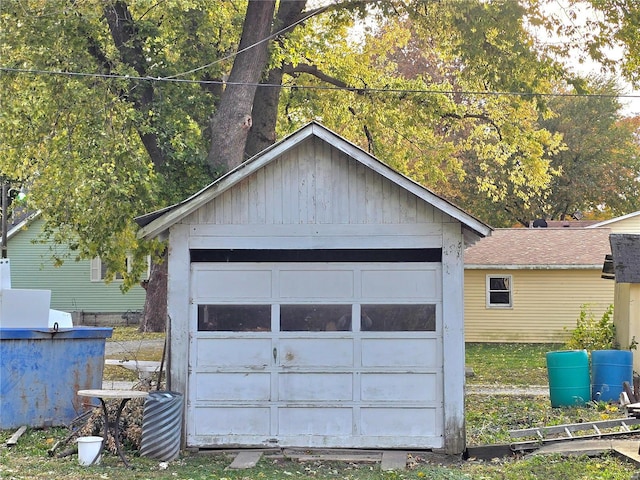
631, 106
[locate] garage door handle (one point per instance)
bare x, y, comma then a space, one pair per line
275, 354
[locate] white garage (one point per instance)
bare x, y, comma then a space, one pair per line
315, 300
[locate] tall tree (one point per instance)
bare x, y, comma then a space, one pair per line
112, 108
595, 172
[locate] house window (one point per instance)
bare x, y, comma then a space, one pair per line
499, 291
99, 269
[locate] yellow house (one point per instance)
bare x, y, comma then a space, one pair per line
528, 284
625, 224
626, 271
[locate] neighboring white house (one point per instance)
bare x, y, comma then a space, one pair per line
315, 299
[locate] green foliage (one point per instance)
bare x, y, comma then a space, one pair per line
591, 333
558, 467
131, 132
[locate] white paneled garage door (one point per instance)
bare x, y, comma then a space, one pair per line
316, 354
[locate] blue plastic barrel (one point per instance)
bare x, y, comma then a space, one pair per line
569, 382
610, 369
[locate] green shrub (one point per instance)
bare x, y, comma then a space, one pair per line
593, 334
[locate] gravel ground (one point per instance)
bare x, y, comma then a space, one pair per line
118, 348
507, 390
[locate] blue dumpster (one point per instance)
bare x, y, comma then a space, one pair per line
41, 370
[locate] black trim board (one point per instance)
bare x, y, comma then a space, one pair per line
388, 255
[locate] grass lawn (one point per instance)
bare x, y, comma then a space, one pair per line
489, 418
508, 363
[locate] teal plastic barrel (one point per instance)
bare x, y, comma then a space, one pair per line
610, 369
569, 381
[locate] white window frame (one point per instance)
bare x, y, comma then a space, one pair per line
96, 269
489, 291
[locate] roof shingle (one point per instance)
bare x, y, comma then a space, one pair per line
541, 247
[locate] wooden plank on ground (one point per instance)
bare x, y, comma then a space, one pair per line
247, 459
576, 447
16, 436
338, 457
628, 449
393, 460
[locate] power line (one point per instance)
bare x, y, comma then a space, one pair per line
316, 87
266, 39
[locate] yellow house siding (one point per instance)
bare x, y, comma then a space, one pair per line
628, 225
625, 224
627, 317
546, 304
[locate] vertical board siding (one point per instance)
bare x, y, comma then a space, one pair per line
70, 284
315, 184
542, 312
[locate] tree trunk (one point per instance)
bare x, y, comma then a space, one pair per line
265, 116
130, 44
231, 123
154, 316
267, 98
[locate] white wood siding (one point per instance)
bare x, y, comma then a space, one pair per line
375, 389
318, 185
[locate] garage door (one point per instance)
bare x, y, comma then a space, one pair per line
316, 354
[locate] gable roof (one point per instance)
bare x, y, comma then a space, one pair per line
540, 248
605, 223
158, 222
19, 221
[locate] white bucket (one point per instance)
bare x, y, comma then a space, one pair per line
88, 449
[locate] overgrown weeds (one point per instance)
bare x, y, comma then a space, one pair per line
592, 333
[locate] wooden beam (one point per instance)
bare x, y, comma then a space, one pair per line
16, 436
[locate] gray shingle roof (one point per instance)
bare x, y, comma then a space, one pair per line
626, 257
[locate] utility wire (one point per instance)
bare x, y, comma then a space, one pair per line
315, 87
266, 39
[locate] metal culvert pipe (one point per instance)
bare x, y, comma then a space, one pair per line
162, 425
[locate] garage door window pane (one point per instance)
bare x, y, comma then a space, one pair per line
234, 318
398, 318
315, 318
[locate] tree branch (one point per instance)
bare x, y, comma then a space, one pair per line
127, 40
478, 116
320, 75
347, 5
